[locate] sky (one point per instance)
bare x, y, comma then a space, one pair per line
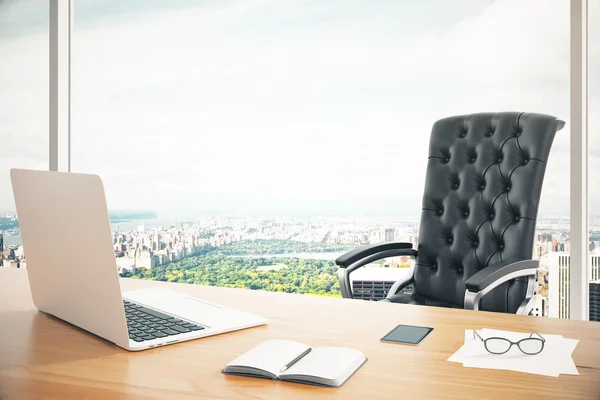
285, 107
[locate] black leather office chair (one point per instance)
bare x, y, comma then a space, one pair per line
482, 190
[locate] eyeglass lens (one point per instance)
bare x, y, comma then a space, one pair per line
497, 345
531, 345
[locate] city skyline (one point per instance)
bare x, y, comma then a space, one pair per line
140, 248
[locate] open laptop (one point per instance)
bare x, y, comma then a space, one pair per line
73, 275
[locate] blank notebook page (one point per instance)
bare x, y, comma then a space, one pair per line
327, 362
270, 355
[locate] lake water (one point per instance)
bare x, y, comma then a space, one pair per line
328, 255
10, 240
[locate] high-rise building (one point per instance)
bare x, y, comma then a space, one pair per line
595, 301
539, 306
544, 237
559, 278
389, 235
594, 267
157, 245
374, 283
559, 286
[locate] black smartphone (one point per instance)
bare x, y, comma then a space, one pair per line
407, 334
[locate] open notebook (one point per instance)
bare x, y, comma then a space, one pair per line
287, 360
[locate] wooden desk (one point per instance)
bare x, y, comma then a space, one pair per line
43, 358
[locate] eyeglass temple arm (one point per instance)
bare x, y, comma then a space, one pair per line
535, 333
477, 334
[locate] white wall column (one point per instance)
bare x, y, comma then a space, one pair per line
61, 24
579, 160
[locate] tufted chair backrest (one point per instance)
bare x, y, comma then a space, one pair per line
482, 190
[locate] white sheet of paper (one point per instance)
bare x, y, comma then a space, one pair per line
557, 350
554, 360
466, 349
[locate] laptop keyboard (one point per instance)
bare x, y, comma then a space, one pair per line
146, 324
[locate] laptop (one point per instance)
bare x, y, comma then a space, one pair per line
73, 274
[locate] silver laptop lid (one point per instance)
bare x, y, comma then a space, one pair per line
68, 245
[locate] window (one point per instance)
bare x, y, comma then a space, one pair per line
231, 135
23, 109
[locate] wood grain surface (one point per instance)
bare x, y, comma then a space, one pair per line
42, 357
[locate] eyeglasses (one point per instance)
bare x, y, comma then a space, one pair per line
497, 345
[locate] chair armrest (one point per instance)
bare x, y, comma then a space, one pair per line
349, 258
493, 276
501, 272
364, 255
401, 283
